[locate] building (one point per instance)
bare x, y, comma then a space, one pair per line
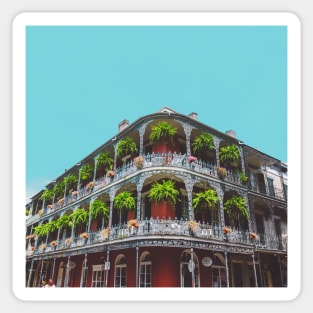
167, 202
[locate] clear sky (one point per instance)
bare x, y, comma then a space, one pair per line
82, 81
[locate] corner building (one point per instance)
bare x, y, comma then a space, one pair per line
100, 225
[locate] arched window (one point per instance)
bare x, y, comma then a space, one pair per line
98, 274
218, 271
145, 273
188, 271
120, 272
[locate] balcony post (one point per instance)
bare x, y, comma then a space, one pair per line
226, 268
254, 270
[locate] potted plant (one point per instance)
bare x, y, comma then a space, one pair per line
237, 211
105, 233
53, 243
203, 144
205, 201
84, 235
193, 227
68, 241
139, 162
132, 222
48, 194
221, 172
60, 202
110, 174
86, 172
90, 185
226, 230
243, 178
253, 235
99, 208
104, 161
64, 221
163, 197
79, 216
70, 182
161, 137
42, 229
42, 246
58, 189
126, 148
191, 159
229, 156
124, 201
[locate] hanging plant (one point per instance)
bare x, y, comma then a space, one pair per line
203, 143
125, 147
162, 132
98, 207
205, 200
64, 221
236, 209
124, 201
243, 178
70, 181
105, 161
79, 216
41, 230
86, 172
165, 191
48, 194
229, 155
58, 189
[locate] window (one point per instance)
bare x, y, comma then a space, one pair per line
145, 270
218, 271
98, 276
252, 182
120, 272
285, 191
270, 184
186, 273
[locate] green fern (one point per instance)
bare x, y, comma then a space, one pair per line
124, 201
162, 131
164, 191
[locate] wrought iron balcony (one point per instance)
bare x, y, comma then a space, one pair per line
169, 228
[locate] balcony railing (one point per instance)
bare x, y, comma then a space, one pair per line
158, 160
158, 227
274, 192
150, 161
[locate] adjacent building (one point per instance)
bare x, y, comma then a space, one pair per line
167, 202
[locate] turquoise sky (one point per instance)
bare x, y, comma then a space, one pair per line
81, 82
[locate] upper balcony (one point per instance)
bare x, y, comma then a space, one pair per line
150, 161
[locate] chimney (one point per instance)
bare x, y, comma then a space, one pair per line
231, 133
122, 125
193, 115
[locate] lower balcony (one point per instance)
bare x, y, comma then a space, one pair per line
169, 228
